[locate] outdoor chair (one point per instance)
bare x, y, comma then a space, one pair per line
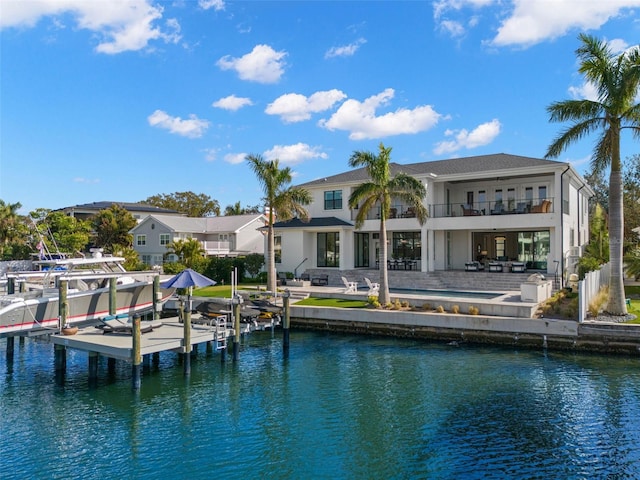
374, 288
469, 211
282, 279
350, 287
320, 280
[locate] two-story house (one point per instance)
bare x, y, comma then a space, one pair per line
220, 236
490, 208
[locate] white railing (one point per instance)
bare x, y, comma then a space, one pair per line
216, 247
589, 288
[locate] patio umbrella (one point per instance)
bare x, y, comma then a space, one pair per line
188, 279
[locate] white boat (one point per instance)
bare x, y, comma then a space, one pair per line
34, 306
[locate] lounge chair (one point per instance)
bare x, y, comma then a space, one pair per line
374, 288
121, 324
469, 211
350, 287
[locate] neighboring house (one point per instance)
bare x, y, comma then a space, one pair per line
138, 210
220, 236
503, 208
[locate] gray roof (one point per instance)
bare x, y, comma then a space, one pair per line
230, 223
137, 207
454, 166
313, 222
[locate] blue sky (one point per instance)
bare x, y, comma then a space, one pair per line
111, 100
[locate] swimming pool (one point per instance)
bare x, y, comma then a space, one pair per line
445, 293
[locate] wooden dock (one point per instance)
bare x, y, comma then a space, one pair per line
168, 337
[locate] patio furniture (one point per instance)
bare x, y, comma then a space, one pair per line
409, 213
543, 207
350, 287
282, 279
495, 267
469, 211
374, 288
320, 280
393, 212
521, 208
518, 267
305, 277
473, 266
498, 209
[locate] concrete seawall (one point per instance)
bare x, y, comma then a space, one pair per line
525, 332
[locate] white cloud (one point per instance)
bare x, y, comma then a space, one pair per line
483, 134
232, 103
532, 22
262, 65
193, 127
235, 158
359, 118
345, 50
294, 107
217, 5
292, 154
90, 181
210, 154
527, 22
586, 91
120, 25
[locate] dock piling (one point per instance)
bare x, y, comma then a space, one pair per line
236, 327
137, 357
286, 322
187, 340
93, 367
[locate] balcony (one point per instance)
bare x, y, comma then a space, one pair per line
505, 207
396, 211
216, 248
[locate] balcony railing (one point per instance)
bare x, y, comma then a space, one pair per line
504, 207
214, 247
396, 211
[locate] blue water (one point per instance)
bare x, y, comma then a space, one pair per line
445, 293
338, 407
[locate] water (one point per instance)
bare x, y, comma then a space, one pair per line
446, 293
339, 407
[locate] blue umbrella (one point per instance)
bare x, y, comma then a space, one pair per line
188, 278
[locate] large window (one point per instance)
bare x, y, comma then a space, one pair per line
361, 244
533, 248
141, 240
329, 249
277, 248
165, 239
333, 200
406, 245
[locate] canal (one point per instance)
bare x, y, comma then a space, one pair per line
339, 406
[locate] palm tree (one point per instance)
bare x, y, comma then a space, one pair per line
189, 251
378, 192
281, 200
617, 80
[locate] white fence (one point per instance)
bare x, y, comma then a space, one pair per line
589, 288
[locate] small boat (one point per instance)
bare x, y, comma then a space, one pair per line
32, 304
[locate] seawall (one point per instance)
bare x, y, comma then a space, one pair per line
553, 334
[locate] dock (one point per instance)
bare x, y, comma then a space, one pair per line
168, 337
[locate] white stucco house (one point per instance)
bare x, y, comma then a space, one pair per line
232, 235
496, 208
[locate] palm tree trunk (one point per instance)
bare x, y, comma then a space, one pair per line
271, 260
383, 293
616, 304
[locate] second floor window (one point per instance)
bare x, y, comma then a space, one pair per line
165, 239
141, 240
333, 200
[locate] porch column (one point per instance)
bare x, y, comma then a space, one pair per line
428, 239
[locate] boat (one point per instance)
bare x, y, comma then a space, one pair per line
32, 303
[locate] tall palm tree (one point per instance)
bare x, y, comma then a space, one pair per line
281, 200
378, 192
617, 80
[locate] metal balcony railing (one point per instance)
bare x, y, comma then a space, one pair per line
504, 207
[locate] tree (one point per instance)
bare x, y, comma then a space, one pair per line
281, 200
617, 80
189, 251
254, 263
69, 234
237, 209
12, 230
187, 203
378, 193
112, 226
631, 200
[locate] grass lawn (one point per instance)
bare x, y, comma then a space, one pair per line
633, 292
221, 290
332, 302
